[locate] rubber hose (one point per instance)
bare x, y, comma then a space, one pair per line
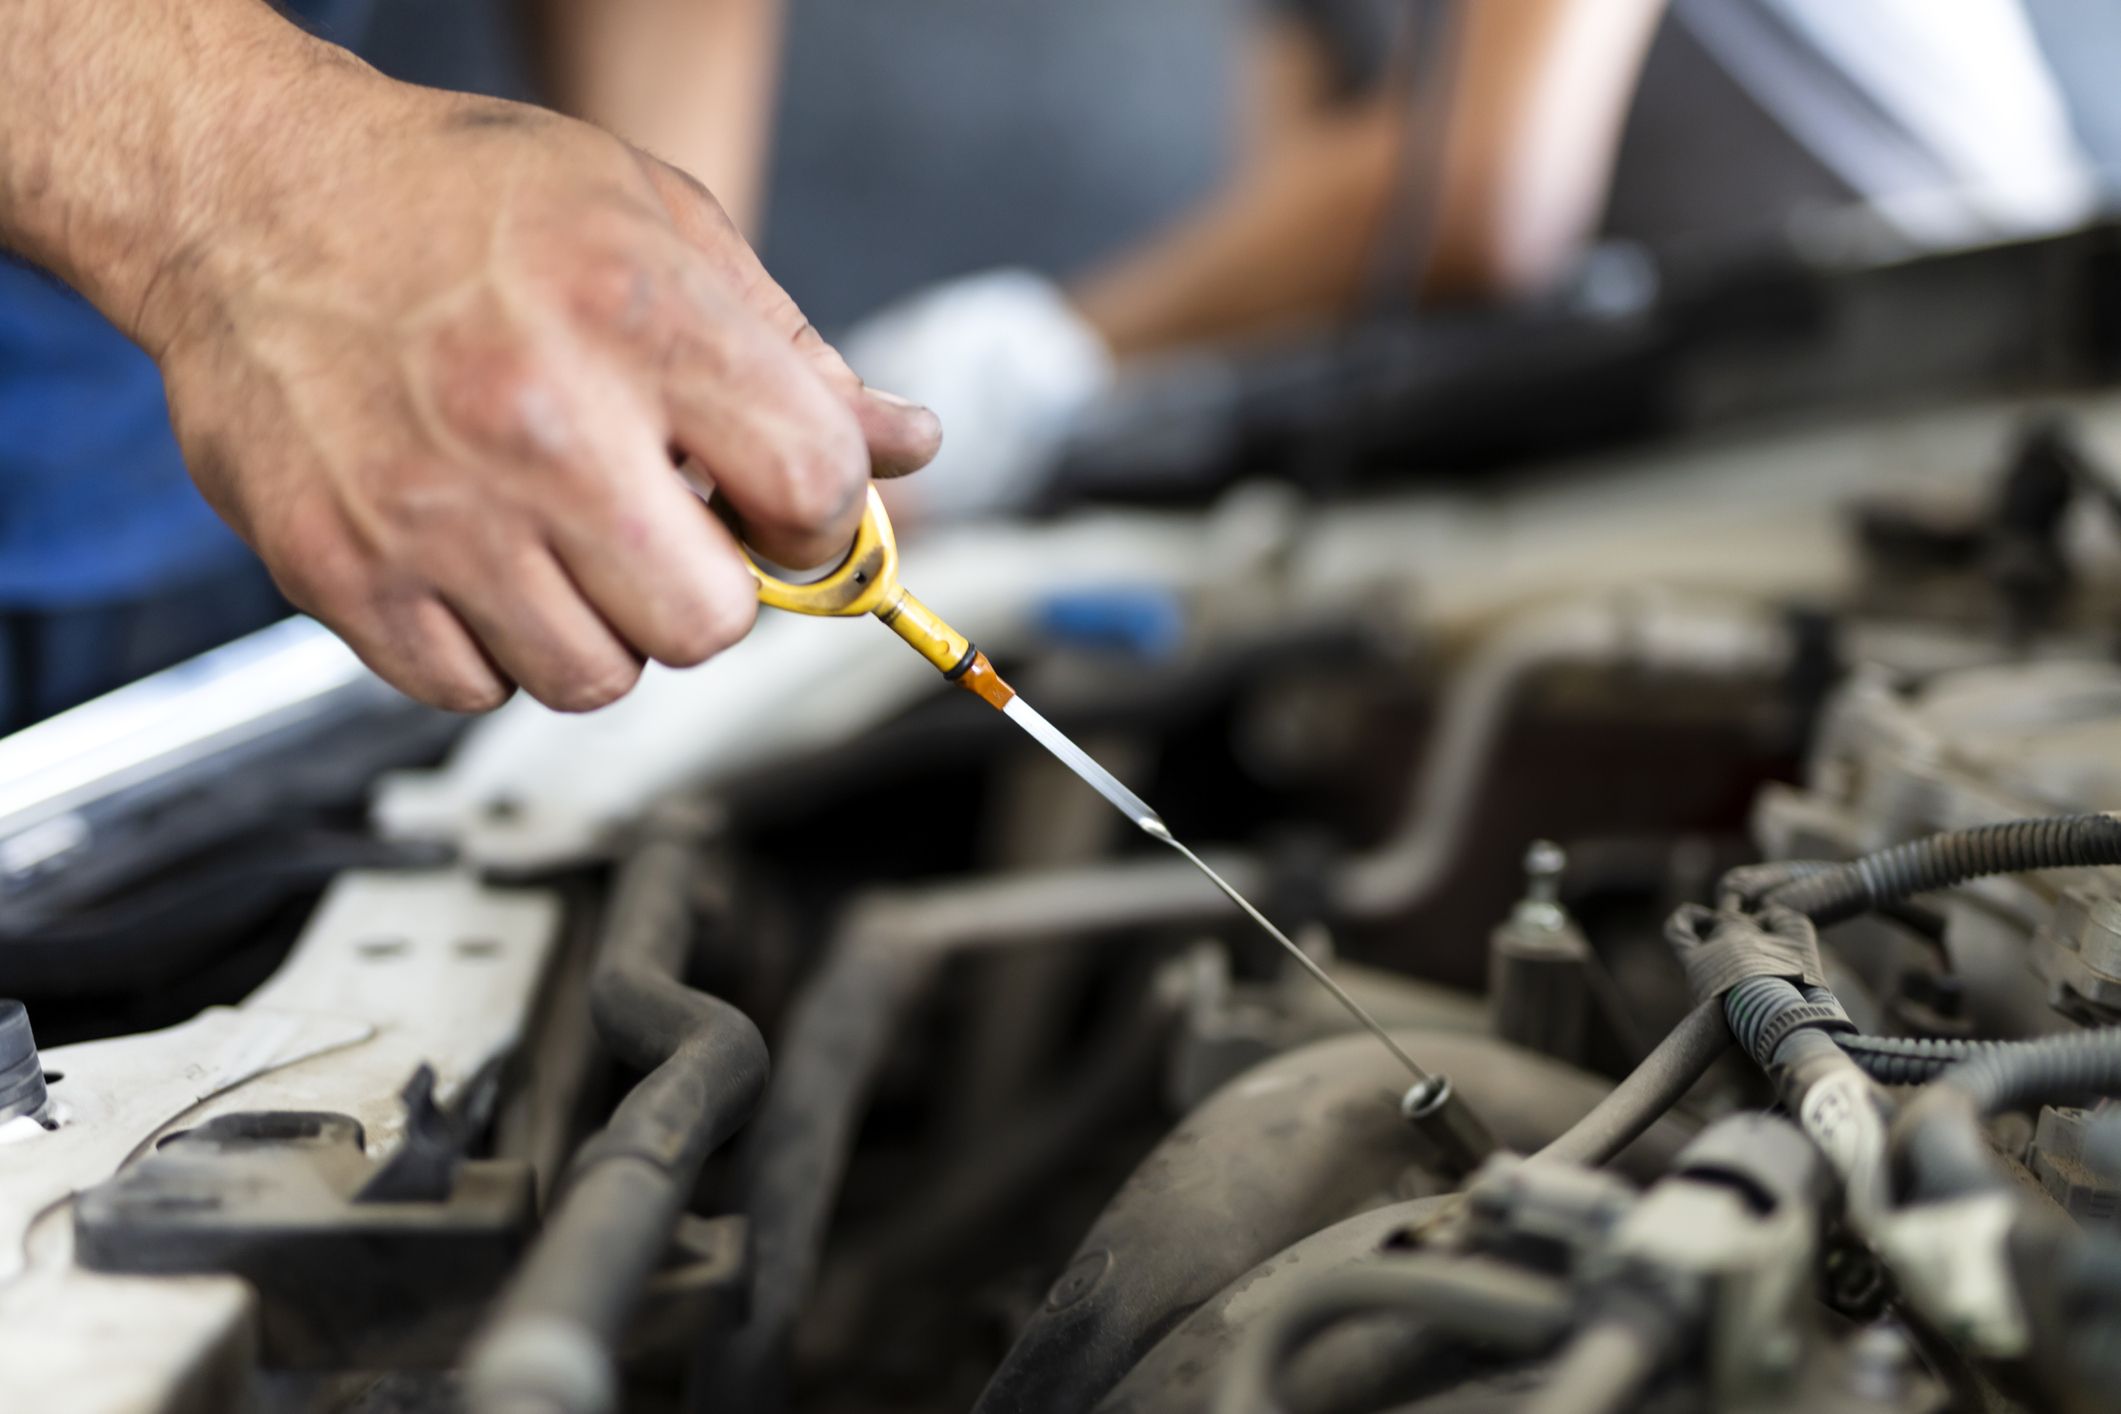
1911, 1060
2049, 1068
1651, 1088
1602, 1371
1946, 1152
1764, 1012
1750, 1008
1473, 1298
1748, 884
1953, 857
553, 1341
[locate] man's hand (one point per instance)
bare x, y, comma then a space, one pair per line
436, 357
441, 390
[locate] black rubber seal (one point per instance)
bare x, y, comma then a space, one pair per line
971, 652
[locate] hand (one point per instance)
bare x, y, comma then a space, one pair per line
436, 365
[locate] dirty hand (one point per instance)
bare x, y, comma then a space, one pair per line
435, 357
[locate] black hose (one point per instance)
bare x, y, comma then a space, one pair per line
1953, 857
2067, 1281
1945, 1149
1754, 1008
2057, 1069
550, 1344
1764, 1012
1650, 1089
1748, 884
1472, 1298
1913, 1060
840, 1032
1602, 1370
1940, 1134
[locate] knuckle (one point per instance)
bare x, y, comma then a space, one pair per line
684, 195
705, 344
503, 399
827, 362
820, 483
458, 693
317, 565
719, 623
619, 296
591, 686
416, 660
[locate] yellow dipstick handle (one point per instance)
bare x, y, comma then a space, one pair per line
866, 582
933, 639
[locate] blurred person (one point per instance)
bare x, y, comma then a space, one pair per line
431, 355
1534, 93
1698, 121
424, 352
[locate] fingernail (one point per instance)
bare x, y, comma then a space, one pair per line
895, 400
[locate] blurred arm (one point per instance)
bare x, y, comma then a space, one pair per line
1540, 91
692, 81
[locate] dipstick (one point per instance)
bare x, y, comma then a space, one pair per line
981, 679
867, 582
1159, 830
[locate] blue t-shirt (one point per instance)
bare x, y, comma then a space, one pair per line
95, 505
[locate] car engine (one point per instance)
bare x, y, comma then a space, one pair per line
1710, 807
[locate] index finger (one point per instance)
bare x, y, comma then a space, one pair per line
788, 454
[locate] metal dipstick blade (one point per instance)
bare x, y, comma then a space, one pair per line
1304, 959
1136, 809
1079, 761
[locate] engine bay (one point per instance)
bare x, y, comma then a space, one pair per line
1711, 809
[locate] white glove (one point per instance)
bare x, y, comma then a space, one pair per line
1005, 362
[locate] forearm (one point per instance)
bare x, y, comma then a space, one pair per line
130, 130
1280, 248
692, 81
1539, 91
1541, 94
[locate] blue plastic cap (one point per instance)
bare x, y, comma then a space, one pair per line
1144, 623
